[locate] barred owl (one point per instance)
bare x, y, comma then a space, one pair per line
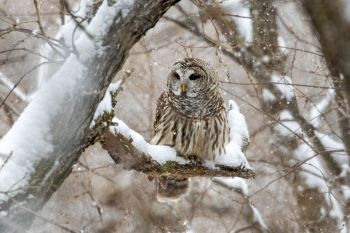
190, 117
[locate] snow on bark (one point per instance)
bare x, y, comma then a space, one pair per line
159, 153
337, 150
239, 138
268, 96
284, 85
31, 138
238, 126
67, 35
314, 174
312, 170
67, 114
106, 104
282, 45
257, 217
75, 38
242, 18
345, 192
235, 183
86, 47
240, 185
287, 127
316, 111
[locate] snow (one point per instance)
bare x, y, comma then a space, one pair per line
346, 192
238, 126
85, 46
312, 170
106, 104
159, 153
65, 35
257, 217
266, 59
17, 91
241, 186
267, 95
285, 87
98, 28
236, 183
245, 26
81, 10
336, 212
30, 139
233, 157
66, 32
319, 108
288, 127
239, 136
341, 157
282, 45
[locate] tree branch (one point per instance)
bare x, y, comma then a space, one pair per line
123, 152
59, 134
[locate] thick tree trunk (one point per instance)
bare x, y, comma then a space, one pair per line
265, 44
68, 128
330, 20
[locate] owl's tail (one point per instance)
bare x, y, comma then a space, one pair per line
171, 189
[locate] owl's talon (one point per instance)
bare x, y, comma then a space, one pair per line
195, 160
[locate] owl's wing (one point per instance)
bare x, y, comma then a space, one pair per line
161, 104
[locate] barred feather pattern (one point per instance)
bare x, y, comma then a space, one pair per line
203, 133
194, 123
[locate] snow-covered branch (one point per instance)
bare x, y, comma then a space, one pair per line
253, 215
130, 149
51, 133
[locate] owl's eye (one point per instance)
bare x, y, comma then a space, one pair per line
176, 75
194, 76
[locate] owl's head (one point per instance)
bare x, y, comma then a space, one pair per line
191, 77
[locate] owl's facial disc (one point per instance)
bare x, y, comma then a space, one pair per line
186, 81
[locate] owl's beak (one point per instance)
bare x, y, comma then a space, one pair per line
183, 88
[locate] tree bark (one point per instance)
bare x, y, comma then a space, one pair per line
123, 152
75, 118
329, 20
265, 43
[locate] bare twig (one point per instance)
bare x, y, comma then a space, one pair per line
28, 51
279, 83
20, 80
38, 16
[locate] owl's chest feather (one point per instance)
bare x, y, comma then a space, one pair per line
202, 137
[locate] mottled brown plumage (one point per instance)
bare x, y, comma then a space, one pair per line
190, 117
